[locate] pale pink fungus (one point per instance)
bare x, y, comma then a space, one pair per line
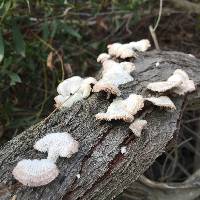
137, 126
72, 90
178, 83
123, 109
113, 75
35, 173
57, 144
128, 50
162, 101
103, 57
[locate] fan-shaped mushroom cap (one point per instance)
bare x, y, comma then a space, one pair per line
103, 57
121, 50
134, 103
137, 126
89, 80
113, 75
123, 109
162, 86
186, 85
182, 73
57, 144
86, 86
179, 83
141, 45
69, 86
127, 50
106, 87
35, 173
113, 48
162, 101
73, 90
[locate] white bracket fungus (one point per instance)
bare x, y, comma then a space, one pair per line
35, 173
137, 126
128, 50
73, 90
103, 57
162, 101
123, 109
113, 75
179, 83
69, 86
57, 144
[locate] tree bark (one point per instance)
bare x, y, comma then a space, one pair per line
104, 171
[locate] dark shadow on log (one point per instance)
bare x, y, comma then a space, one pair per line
104, 171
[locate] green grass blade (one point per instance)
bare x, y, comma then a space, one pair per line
18, 40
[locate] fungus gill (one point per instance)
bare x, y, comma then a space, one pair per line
162, 101
35, 173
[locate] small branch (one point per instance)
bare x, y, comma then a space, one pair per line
164, 186
159, 15
153, 30
154, 37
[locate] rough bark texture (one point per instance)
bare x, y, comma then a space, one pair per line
104, 171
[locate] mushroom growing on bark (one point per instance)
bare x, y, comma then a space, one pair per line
103, 57
41, 172
178, 83
73, 90
137, 126
113, 75
121, 109
35, 173
162, 101
57, 144
128, 50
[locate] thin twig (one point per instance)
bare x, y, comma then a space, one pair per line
154, 37
153, 30
159, 15
160, 185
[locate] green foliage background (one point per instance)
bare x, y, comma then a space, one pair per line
75, 31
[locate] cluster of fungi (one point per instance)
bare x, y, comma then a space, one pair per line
36, 172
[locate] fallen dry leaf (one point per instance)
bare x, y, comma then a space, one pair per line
50, 64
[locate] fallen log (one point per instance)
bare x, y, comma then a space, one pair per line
104, 171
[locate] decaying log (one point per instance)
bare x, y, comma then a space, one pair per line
104, 171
